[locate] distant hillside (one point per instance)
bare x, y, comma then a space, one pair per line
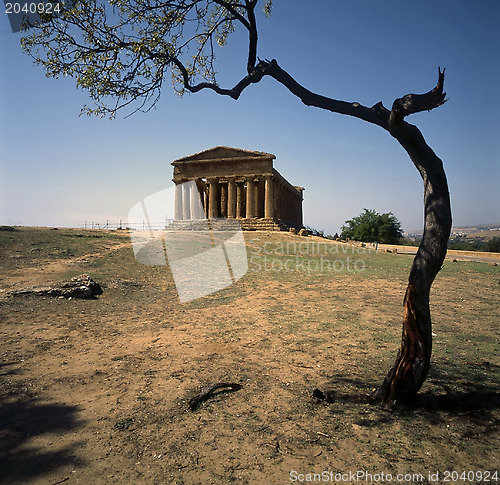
480, 231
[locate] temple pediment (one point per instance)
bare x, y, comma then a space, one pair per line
224, 153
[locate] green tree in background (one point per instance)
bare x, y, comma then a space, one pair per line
493, 245
370, 226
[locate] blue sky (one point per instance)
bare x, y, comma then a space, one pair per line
59, 169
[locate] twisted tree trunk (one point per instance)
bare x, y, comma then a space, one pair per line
412, 363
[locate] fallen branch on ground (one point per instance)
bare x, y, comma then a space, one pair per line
207, 391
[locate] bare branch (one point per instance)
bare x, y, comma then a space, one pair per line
252, 36
233, 93
230, 8
414, 103
378, 114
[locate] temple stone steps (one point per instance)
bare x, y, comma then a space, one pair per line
256, 224
263, 225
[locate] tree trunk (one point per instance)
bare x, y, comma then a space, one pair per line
412, 363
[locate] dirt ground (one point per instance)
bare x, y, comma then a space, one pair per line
97, 391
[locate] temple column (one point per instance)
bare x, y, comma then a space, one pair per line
287, 204
269, 198
240, 200
213, 202
205, 200
275, 198
186, 202
281, 201
223, 200
231, 198
299, 209
250, 197
262, 197
178, 213
256, 199
195, 201
277, 212
203, 192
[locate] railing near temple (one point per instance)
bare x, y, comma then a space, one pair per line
122, 224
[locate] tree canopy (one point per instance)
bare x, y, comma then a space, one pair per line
121, 51
370, 226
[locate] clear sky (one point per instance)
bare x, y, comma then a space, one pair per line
59, 169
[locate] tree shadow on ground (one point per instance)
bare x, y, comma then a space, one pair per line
452, 390
23, 418
465, 387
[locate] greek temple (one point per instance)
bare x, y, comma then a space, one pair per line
231, 183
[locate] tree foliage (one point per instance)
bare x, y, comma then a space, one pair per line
493, 245
370, 226
121, 51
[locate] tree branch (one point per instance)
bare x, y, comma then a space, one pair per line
377, 114
414, 103
233, 93
252, 36
230, 8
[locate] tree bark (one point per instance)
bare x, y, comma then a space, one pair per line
412, 363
